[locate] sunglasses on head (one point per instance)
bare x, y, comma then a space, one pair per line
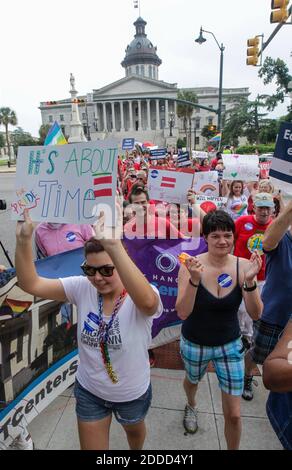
106, 271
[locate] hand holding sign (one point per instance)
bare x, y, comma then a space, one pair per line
24, 230
107, 235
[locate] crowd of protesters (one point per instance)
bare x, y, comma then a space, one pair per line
218, 300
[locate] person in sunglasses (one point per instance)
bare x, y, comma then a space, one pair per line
116, 306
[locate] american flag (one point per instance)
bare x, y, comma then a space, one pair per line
103, 182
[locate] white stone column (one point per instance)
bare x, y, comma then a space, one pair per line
131, 116
104, 117
139, 116
148, 116
157, 116
113, 116
166, 114
175, 114
122, 116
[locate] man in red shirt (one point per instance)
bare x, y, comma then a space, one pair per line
249, 234
146, 223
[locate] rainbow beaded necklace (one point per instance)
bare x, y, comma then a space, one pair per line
103, 334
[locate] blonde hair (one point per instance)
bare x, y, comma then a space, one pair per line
266, 182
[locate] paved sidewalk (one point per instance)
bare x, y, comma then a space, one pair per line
56, 428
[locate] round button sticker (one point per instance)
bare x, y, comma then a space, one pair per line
71, 237
224, 280
154, 174
248, 226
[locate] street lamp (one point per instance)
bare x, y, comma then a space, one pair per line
200, 40
171, 123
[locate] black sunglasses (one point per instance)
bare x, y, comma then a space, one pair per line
106, 270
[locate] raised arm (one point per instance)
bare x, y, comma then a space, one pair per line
251, 295
135, 283
277, 369
28, 279
278, 228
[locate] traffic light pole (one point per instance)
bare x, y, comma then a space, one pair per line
220, 89
277, 29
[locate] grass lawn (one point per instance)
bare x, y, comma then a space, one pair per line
3, 162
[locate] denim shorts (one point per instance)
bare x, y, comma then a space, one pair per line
89, 407
228, 361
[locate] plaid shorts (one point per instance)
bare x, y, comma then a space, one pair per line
265, 338
228, 361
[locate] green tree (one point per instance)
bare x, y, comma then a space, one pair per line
43, 131
8, 117
185, 111
278, 71
20, 137
2, 140
245, 119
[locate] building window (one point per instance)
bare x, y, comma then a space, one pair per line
210, 121
197, 110
63, 129
137, 69
197, 123
83, 116
150, 71
50, 118
143, 70
197, 140
61, 117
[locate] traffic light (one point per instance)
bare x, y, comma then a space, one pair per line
280, 11
212, 128
253, 51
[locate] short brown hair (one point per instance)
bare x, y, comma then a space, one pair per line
93, 246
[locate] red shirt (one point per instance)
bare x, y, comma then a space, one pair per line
249, 236
205, 168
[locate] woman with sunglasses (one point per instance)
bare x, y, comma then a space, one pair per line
116, 306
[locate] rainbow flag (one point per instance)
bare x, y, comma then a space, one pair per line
216, 138
17, 306
55, 136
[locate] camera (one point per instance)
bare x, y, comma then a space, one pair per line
2, 205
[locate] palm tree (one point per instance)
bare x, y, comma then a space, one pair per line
185, 111
8, 116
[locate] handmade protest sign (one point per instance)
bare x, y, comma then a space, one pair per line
67, 184
206, 182
183, 160
169, 186
208, 203
241, 167
281, 168
128, 144
158, 154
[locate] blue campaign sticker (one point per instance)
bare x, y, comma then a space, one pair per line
224, 280
154, 174
71, 236
248, 226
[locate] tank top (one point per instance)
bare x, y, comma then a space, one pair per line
214, 321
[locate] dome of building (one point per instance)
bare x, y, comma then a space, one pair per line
141, 49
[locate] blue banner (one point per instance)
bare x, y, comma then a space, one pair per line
128, 144
281, 167
158, 153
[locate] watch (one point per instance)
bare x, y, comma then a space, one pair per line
249, 289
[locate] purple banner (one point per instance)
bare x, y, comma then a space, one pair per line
157, 259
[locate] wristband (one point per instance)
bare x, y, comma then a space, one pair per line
249, 289
192, 284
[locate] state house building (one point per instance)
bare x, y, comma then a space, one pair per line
139, 105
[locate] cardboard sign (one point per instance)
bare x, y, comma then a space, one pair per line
206, 183
183, 159
169, 186
158, 154
66, 184
241, 167
218, 202
281, 168
200, 155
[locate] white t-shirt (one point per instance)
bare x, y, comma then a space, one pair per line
128, 344
237, 206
